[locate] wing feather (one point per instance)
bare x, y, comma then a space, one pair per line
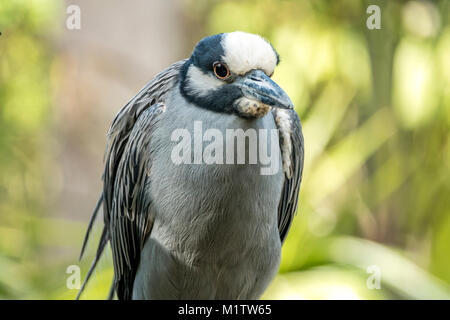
125, 199
292, 150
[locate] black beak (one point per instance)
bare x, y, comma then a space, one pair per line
257, 85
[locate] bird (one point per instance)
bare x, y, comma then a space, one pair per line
198, 230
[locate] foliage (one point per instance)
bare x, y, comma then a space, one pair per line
375, 108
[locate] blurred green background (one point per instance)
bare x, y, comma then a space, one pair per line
375, 107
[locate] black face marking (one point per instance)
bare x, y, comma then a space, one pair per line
207, 52
219, 100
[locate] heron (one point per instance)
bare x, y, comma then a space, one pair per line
196, 230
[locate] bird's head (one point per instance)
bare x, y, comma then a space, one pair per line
230, 72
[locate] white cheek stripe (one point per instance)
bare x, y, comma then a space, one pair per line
200, 83
244, 52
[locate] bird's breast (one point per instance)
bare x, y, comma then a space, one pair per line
216, 171
214, 214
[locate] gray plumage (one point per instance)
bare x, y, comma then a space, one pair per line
192, 231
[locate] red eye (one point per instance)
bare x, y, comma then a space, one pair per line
221, 70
